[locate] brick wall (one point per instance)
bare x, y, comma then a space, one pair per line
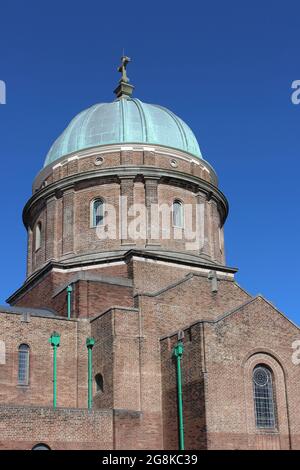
217, 367
65, 213
188, 300
193, 386
71, 217
89, 297
117, 158
226, 333
64, 428
71, 360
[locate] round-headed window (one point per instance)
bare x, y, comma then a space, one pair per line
264, 397
178, 215
99, 382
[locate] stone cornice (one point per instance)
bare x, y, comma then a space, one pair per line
126, 171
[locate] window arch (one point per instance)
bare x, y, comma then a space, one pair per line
41, 447
178, 215
23, 365
264, 398
97, 212
38, 236
99, 383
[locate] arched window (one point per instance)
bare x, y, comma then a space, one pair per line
263, 393
99, 382
97, 212
177, 211
41, 447
38, 236
23, 371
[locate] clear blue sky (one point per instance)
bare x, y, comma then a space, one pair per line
225, 67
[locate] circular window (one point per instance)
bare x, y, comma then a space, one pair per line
174, 163
99, 161
260, 376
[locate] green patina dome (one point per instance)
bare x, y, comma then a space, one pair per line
126, 120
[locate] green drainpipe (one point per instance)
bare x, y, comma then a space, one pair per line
177, 353
90, 344
54, 340
69, 292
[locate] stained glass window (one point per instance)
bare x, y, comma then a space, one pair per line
23, 371
263, 393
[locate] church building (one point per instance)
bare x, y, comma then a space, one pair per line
130, 331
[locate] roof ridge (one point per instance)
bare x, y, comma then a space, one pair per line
168, 287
